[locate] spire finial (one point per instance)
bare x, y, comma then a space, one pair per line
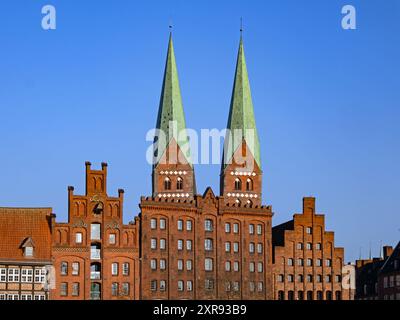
241, 26
170, 26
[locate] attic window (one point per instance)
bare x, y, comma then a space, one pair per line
28, 251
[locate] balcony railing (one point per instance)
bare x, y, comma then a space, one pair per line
95, 275
95, 254
95, 295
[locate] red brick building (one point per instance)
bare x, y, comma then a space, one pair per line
205, 246
95, 255
307, 265
389, 275
25, 253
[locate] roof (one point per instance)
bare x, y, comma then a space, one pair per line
241, 114
389, 265
171, 108
22, 226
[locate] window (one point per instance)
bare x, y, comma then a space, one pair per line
78, 237
309, 246
40, 275
290, 278
26, 275
114, 269
26, 297
309, 262
280, 278
180, 225
189, 245
260, 267
249, 184
208, 264
209, 284
180, 244
319, 295
227, 227
259, 229
75, 268
338, 278
236, 228
189, 285
75, 289
309, 230
180, 264
163, 264
153, 224
3, 296
236, 247
153, 264
338, 295
153, 285
385, 282
319, 262
290, 295
179, 184
252, 286
64, 289
114, 289
318, 246
328, 262
167, 184
95, 231
13, 297
251, 228
281, 295
398, 280
300, 278
208, 244
125, 289
163, 285
3, 274
235, 286
300, 295
236, 266
28, 252
299, 246
309, 278
238, 184
162, 224
328, 279
260, 286
125, 269
162, 244
189, 265
251, 247
208, 225
290, 262
153, 243
227, 266
310, 295
300, 262
252, 267
188, 225
180, 285
319, 278
227, 247
112, 238
64, 268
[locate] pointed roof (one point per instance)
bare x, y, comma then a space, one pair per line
241, 113
171, 107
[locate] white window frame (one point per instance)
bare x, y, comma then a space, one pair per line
78, 237
208, 264
13, 275
114, 268
153, 243
163, 224
125, 269
236, 228
227, 227
163, 264
189, 265
40, 275
180, 225
189, 225
259, 229
153, 223
162, 244
27, 275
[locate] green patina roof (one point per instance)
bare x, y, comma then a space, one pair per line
171, 108
241, 113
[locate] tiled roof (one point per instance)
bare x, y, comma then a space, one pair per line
17, 225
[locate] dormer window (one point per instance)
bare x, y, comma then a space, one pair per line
28, 252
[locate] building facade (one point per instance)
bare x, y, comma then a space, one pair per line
307, 265
95, 255
25, 253
389, 275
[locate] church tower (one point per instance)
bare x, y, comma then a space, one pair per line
241, 174
173, 173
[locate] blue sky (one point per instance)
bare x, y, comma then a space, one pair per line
326, 101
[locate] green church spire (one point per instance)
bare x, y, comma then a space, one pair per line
241, 114
171, 108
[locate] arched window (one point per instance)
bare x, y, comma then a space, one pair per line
320, 295
238, 184
329, 295
179, 183
291, 295
249, 184
281, 295
300, 295
167, 184
310, 295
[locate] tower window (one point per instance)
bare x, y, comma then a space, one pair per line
238, 184
167, 184
249, 184
179, 184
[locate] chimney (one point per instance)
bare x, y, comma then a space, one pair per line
387, 251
